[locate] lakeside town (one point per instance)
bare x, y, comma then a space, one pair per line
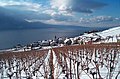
91, 37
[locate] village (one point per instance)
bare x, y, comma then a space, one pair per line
92, 37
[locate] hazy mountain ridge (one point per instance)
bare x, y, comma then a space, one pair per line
10, 20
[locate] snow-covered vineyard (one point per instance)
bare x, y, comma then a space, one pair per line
95, 61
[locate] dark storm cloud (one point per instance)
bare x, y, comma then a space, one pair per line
85, 6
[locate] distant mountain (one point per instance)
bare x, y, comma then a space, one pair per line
10, 20
9, 23
12, 23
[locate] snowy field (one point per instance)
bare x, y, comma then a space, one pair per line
80, 63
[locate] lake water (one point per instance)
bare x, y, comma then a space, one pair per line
10, 38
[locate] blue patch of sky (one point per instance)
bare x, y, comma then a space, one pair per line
112, 8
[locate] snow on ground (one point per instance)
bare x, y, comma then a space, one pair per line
110, 32
110, 35
57, 68
29, 65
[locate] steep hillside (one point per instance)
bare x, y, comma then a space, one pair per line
110, 32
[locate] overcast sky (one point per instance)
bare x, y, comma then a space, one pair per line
91, 13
